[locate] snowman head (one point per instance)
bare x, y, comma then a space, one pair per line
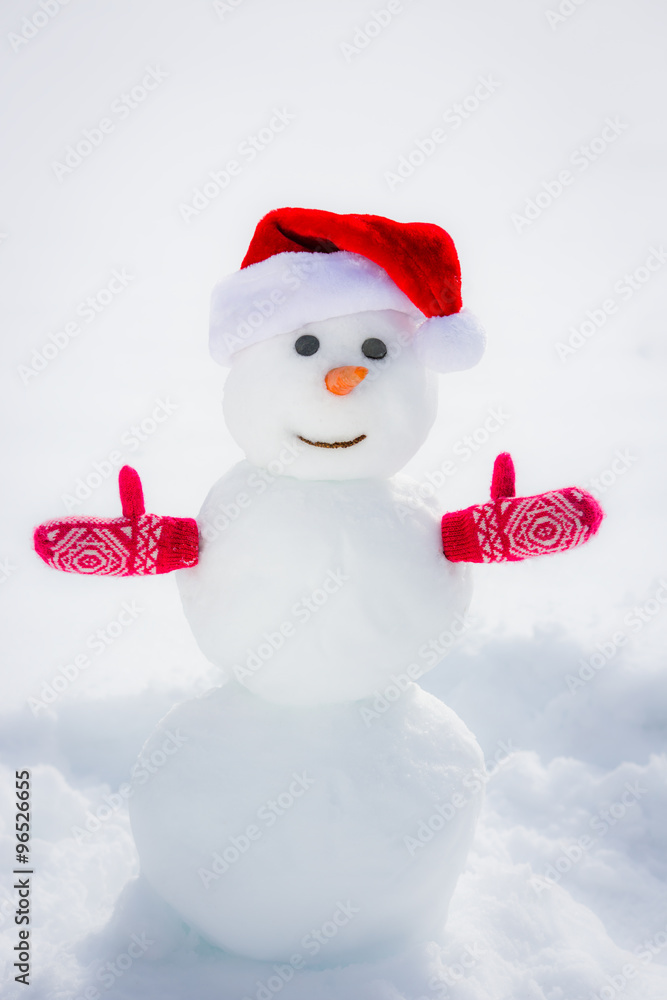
333, 328
340, 398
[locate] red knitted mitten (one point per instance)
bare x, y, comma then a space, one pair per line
511, 528
136, 544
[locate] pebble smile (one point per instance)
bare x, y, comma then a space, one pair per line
332, 444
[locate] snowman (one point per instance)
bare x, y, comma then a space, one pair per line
317, 807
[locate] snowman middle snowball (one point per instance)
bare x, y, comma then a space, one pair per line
332, 576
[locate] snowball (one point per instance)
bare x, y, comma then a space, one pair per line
310, 591
329, 833
275, 397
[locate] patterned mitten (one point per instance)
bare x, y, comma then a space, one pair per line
136, 544
510, 528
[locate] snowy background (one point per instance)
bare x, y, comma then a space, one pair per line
561, 677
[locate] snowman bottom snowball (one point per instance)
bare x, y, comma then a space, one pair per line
312, 835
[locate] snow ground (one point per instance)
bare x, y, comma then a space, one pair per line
564, 894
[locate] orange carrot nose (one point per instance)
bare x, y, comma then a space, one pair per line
340, 381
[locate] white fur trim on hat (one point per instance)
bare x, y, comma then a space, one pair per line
450, 343
286, 291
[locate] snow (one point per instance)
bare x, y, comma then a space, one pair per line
560, 674
273, 393
260, 821
322, 591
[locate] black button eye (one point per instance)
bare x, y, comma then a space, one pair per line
374, 348
307, 345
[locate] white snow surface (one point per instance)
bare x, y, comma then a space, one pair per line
560, 674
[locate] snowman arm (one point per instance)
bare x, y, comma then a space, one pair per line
136, 544
511, 528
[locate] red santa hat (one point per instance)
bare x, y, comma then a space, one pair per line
305, 265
